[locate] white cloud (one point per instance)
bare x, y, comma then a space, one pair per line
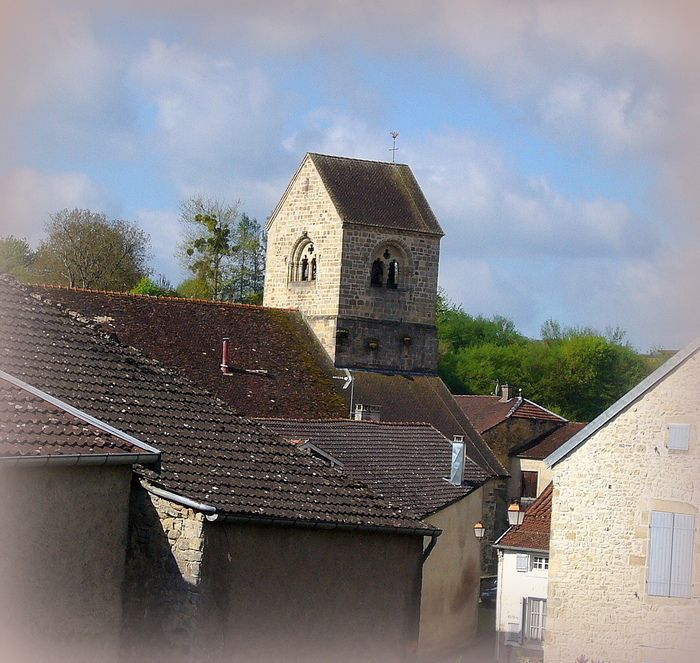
29, 196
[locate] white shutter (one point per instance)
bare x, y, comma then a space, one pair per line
682, 555
522, 563
660, 548
457, 474
679, 437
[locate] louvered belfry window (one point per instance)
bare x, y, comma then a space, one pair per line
670, 570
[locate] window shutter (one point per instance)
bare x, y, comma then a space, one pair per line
682, 555
660, 548
522, 563
679, 437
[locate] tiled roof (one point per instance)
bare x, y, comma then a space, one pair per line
209, 454
543, 445
376, 193
533, 534
423, 398
485, 412
406, 463
186, 334
32, 427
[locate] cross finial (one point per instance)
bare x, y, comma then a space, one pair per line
394, 135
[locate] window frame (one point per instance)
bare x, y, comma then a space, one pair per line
530, 603
544, 561
670, 554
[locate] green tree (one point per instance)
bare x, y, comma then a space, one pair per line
16, 258
161, 287
194, 288
85, 249
245, 278
208, 240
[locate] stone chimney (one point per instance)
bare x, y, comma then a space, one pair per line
505, 393
367, 412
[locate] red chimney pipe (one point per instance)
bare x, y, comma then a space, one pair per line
225, 369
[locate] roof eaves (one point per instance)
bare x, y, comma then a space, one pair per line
623, 403
83, 416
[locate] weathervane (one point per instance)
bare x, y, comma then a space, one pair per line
394, 135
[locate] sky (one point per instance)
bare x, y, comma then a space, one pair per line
557, 142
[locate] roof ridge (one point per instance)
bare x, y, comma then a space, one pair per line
194, 300
421, 424
341, 158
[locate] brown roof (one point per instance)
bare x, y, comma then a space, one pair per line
209, 454
543, 445
186, 334
533, 534
376, 193
31, 426
423, 398
485, 412
406, 463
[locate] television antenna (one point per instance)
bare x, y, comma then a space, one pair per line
394, 135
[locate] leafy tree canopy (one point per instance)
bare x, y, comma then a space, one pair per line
16, 257
577, 372
85, 249
160, 287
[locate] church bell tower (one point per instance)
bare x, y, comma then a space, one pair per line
354, 245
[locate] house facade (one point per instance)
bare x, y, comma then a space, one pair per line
65, 481
521, 594
624, 576
410, 466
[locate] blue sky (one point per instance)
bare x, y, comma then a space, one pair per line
556, 142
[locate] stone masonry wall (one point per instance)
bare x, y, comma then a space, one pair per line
163, 589
603, 495
308, 209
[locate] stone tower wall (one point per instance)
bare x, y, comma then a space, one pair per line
359, 325
308, 209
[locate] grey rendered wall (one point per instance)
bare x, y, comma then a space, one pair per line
295, 594
451, 579
62, 562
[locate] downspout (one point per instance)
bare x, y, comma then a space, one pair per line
430, 546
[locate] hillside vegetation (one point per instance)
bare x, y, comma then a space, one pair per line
576, 372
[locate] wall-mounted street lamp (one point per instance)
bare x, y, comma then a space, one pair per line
479, 530
516, 514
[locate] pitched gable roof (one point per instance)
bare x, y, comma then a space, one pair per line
34, 427
623, 403
209, 454
186, 334
542, 445
406, 463
423, 398
376, 193
485, 412
533, 534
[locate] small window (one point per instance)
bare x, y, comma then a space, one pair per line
529, 484
678, 437
303, 266
670, 565
522, 563
377, 275
540, 563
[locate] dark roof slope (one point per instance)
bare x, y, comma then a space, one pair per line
32, 427
533, 534
485, 412
423, 398
376, 193
209, 454
186, 334
405, 463
541, 446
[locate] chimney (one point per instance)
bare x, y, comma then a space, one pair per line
505, 393
457, 471
225, 368
367, 412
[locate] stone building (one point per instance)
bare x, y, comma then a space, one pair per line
63, 474
240, 546
409, 465
354, 246
624, 574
